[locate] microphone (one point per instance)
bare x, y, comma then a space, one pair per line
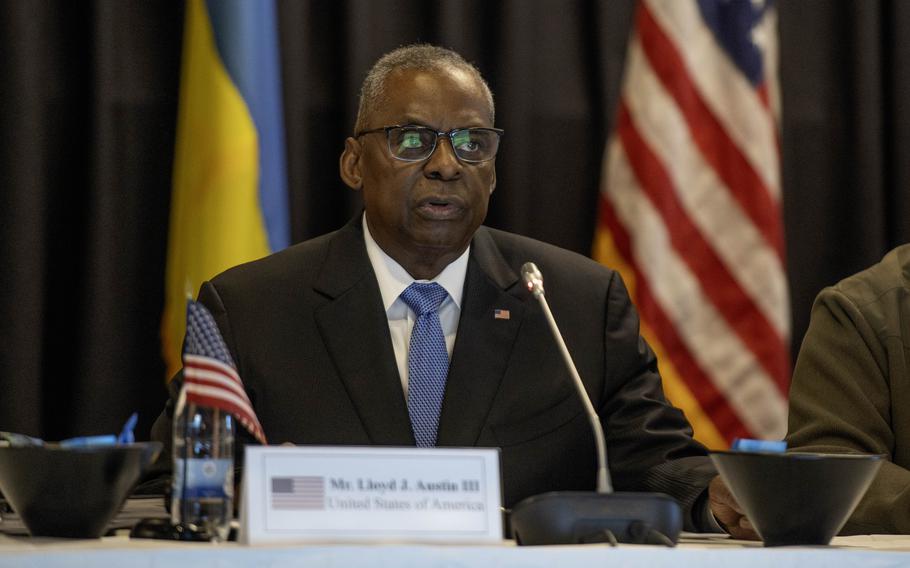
534, 281
577, 517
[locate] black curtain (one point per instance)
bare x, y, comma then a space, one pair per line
88, 106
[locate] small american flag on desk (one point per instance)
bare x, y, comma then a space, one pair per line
209, 375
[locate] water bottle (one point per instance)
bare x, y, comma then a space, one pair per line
202, 493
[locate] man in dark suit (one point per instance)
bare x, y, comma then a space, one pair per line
321, 331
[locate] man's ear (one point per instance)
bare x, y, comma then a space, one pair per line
493, 183
349, 164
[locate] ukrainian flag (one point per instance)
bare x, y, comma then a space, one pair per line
230, 199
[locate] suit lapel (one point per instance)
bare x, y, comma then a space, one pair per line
483, 344
350, 323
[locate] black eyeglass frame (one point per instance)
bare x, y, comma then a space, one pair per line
450, 135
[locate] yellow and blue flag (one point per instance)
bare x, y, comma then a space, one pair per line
230, 200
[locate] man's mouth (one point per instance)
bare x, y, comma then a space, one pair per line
439, 208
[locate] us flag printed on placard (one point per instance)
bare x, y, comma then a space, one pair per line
302, 492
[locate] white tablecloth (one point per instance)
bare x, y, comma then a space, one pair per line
114, 552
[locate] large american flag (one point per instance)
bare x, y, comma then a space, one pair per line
209, 375
691, 210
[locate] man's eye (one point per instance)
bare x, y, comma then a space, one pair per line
410, 140
465, 142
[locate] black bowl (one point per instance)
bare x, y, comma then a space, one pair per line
797, 498
71, 492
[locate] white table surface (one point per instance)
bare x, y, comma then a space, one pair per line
861, 551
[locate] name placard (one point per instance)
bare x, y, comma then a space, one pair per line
356, 494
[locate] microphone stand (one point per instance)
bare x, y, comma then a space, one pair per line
577, 517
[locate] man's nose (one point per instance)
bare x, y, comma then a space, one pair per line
443, 163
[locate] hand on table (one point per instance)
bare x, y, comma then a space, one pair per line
728, 512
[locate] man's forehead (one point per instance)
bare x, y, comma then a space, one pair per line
422, 95
430, 78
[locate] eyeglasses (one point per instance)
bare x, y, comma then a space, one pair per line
416, 143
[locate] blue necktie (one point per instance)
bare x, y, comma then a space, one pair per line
428, 361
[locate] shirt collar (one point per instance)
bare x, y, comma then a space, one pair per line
393, 278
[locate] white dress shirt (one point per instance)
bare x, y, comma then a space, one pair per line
393, 279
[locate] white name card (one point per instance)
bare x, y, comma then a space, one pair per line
355, 494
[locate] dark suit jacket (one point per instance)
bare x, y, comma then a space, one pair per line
311, 342
851, 386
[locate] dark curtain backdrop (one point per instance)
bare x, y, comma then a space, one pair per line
88, 102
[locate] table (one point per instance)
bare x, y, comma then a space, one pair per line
700, 551
861, 551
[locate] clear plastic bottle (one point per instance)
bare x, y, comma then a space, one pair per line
202, 495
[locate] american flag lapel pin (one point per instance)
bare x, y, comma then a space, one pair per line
501, 314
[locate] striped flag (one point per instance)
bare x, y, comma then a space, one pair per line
229, 198
209, 375
690, 210
303, 492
